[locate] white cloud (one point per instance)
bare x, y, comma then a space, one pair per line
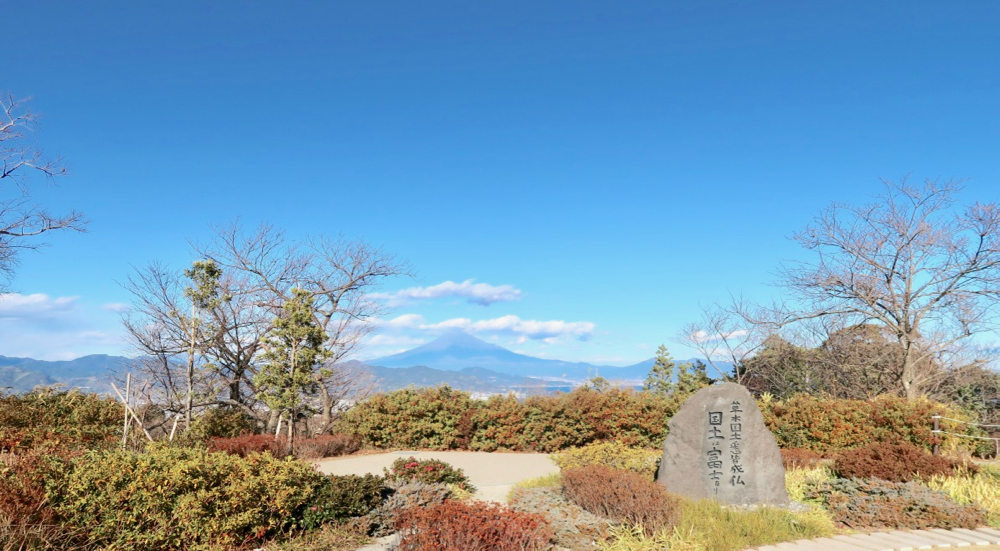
523, 330
483, 294
38, 306
52, 328
117, 307
394, 340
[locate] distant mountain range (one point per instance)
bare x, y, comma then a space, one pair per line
458, 350
89, 372
456, 359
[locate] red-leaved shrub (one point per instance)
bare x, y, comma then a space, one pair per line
901, 462
250, 443
471, 526
800, 458
622, 496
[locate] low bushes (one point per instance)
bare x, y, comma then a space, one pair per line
182, 498
327, 445
873, 503
223, 422
426, 418
828, 425
611, 454
900, 462
471, 526
246, 444
428, 471
342, 497
442, 418
47, 419
621, 496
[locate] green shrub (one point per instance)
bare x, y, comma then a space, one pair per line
622, 496
426, 418
827, 425
247, 444
49, 419
428, 471
611, 454
874, 504
441, 418
223, 423
183, 498
900, 462
342, 497
473, 526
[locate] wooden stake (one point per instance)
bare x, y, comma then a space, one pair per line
174, 428
129, 410
128, 418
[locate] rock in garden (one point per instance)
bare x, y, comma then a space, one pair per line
718, 447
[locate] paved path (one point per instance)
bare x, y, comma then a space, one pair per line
983, 539
493, 474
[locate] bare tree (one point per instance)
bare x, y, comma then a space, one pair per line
20, 218
723, 336
337, 273
161, 332
910, 262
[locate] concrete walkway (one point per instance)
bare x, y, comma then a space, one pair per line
984, 539
493, 474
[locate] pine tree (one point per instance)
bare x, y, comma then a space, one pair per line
661, 376
689, 377
294, 352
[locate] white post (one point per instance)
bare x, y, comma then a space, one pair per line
128, 418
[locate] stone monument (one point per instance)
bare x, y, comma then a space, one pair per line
718, 447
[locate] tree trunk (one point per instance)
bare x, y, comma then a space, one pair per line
326, 409
189, 400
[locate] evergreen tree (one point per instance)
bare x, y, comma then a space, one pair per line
661, 376
668, 377
294, 353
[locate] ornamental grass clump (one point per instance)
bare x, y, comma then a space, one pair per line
428, 471
982, 489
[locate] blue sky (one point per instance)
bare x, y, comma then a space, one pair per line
603, 168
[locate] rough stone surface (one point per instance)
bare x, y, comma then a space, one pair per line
718, 447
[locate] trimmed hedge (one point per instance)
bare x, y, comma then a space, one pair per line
446, 419
826, 425
442, 419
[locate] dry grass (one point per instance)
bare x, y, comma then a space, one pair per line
982, 488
